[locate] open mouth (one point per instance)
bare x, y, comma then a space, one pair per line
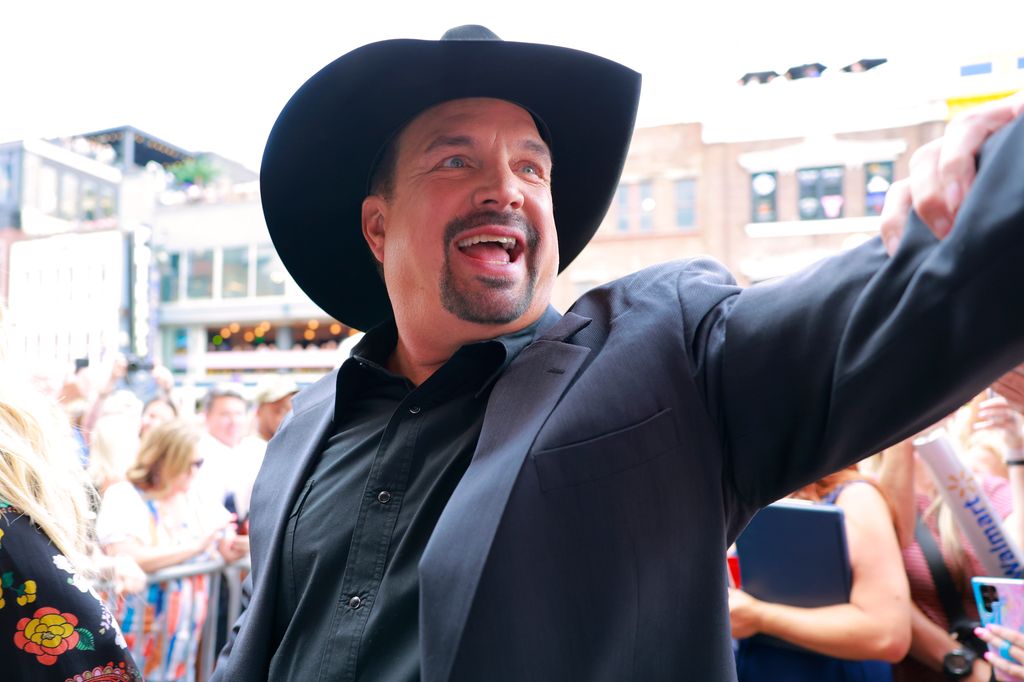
491, 248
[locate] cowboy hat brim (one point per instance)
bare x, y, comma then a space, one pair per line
322, 149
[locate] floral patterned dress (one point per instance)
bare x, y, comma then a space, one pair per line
52, 625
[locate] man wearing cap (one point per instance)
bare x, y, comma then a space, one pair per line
273, 402
489, 490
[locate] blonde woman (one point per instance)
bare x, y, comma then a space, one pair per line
157, 519
52, 625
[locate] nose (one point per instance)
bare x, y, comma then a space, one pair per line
500, 189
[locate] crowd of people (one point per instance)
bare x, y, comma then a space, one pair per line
896, 626
122, 488
168, 490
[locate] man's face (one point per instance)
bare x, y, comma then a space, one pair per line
226, 419
270, 415
467, 237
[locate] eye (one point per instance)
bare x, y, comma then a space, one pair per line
531, 168
453, 162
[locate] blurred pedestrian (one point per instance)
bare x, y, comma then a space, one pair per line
226, 419
157, 410
273, 402
157, 519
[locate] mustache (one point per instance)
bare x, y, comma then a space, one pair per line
505, 218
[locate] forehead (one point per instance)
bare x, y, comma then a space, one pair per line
479, 114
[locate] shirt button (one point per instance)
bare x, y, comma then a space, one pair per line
383, 497
355, 603
415, 409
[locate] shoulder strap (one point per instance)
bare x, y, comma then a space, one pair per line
949, 596
831, 497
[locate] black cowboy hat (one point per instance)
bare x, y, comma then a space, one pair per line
323, 147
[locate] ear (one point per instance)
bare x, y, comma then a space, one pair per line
373, 217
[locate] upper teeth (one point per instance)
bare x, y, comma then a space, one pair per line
508, 242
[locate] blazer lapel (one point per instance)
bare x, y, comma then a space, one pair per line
457, 551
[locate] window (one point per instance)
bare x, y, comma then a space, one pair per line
976, 69
762, 193
821, 192
647, 205
270, 272
200, 273
68, 196
88, 200
686, 203
46, 200
169, 265
6, 177
877, 178
108, 201
235, 279
622, 208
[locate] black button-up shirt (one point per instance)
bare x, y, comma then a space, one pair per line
348, 593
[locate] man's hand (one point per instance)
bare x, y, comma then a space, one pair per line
942, 171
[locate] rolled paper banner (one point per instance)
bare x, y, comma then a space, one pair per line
981, 525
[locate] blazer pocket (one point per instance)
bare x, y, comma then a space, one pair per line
607, 454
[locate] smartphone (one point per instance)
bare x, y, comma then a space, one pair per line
1000, 601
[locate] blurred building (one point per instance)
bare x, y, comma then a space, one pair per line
72, 250
118, 241
783, 171
227, 307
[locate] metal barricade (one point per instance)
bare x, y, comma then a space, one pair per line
147, 624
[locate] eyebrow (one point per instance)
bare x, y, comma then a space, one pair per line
538, 147
442, 141
446, 141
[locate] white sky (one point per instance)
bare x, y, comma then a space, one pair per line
213, 74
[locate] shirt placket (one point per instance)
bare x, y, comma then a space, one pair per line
374, 529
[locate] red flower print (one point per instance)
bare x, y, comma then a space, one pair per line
47, 635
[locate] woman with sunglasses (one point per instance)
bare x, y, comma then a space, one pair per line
157, 519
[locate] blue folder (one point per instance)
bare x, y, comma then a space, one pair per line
795, 553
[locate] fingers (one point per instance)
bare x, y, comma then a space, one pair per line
1011, 646
895, 211
929, 200
943, 170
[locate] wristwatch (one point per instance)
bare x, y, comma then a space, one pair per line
958, 663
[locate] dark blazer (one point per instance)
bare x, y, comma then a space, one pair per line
624, 450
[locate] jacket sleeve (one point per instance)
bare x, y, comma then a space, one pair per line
813, 372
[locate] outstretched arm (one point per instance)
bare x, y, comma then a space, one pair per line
828, 366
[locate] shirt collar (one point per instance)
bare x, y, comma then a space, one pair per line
376, 346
